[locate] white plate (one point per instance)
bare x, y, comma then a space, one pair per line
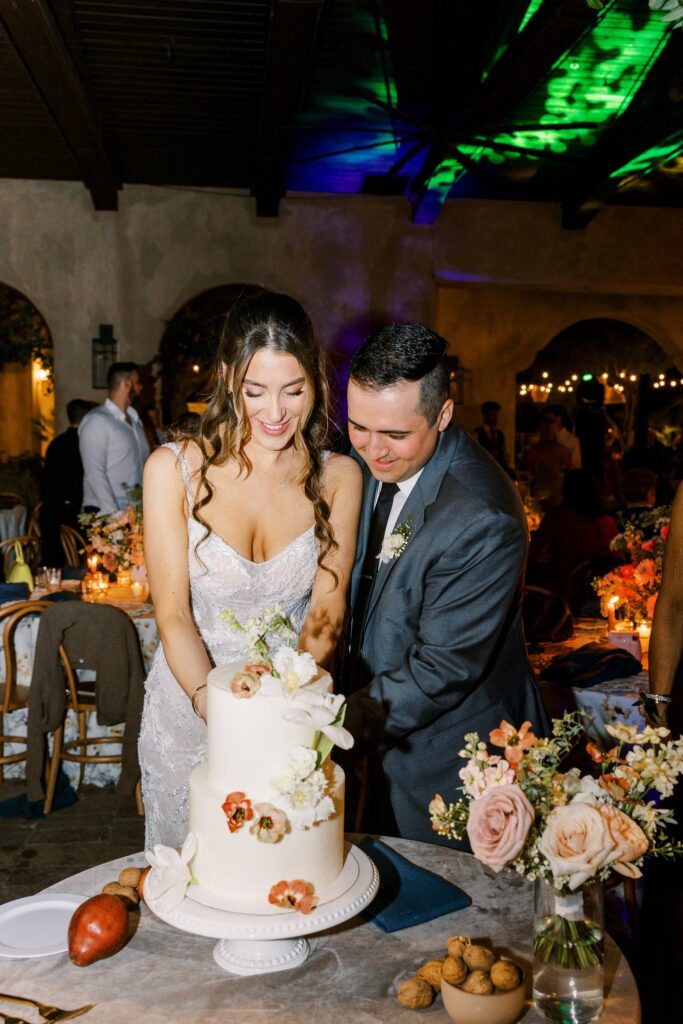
37, 925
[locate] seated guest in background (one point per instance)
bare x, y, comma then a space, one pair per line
653, 455
61, 490
578, 530
548, 461
491, 438
113, 444
637, 494
564, 434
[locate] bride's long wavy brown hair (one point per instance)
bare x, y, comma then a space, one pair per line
279, 323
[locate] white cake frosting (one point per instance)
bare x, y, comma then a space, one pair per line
250, 745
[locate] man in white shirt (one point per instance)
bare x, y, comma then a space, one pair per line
564, 435
113, 444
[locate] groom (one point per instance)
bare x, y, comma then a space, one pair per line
437, 648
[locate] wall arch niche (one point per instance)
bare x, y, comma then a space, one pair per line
610, 376
27, 407
187, 350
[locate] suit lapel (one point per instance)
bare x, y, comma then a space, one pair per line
423, 495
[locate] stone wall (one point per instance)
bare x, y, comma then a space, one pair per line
498, 279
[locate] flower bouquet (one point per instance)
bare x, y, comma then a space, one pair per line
567, 831
635, 585
117, 538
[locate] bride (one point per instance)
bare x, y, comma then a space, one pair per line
247, 513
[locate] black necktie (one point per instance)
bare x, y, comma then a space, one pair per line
378, 527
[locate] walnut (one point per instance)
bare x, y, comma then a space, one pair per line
505, 975
479, 958
130, 877
454, 970
126, 892
478, 982
457, 944
415, 993
431, 973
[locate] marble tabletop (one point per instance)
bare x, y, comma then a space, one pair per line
164, 976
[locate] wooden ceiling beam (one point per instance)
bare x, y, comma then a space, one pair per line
292, 35
39, 44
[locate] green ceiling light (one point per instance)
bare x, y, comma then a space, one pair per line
586, 376
530, 11
594, 81
668, 149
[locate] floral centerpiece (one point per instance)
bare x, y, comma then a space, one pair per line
117, 538
635, 585
567, 831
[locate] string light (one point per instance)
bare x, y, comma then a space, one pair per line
545, 386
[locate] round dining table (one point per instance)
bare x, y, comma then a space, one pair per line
165, 976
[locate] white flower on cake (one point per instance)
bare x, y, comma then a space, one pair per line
304, 787
293, 669
323, 712
170, 876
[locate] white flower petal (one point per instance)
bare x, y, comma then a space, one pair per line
340, 737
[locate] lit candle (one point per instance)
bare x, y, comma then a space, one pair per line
611, 617
92, 563
137, 589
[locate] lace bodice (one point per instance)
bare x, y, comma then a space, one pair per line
221, 578
172, 738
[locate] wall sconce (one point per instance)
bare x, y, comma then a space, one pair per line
103, 355
458, 377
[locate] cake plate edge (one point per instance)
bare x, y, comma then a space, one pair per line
262, 943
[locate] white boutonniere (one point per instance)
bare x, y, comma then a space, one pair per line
395, 544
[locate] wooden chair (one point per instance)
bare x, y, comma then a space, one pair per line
9, 498
81, 700
14, 696
31, 546
33, 528
73, 545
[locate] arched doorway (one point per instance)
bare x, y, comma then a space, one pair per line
26, 394
188, 348
612, 380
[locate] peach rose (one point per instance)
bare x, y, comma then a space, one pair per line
498, 825
577, 842
631, 842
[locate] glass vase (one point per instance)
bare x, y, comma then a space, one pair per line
568, 953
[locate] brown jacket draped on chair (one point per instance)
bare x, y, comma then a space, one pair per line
98, 637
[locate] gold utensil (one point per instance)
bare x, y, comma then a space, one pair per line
48, 1013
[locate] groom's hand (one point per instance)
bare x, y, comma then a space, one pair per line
365, 720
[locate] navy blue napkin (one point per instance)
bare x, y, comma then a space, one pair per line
408, 895
73, 572
591, 664
13, 592
61, 595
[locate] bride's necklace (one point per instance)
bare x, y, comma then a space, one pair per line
281, 483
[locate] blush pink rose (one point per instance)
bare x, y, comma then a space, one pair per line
498, 825
577, 842
631, 842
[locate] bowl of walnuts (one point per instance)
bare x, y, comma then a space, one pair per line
476, 985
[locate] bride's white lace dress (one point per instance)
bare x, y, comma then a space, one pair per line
172, 737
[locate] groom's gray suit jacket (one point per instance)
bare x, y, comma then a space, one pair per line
443, 649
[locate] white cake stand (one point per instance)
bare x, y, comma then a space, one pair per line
258, 943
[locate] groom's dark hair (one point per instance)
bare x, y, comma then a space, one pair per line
402, 352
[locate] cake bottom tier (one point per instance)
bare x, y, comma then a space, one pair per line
234, 868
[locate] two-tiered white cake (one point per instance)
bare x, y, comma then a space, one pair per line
263, 808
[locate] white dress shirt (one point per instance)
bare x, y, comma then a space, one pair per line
114, 452
572, 444
400, 498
